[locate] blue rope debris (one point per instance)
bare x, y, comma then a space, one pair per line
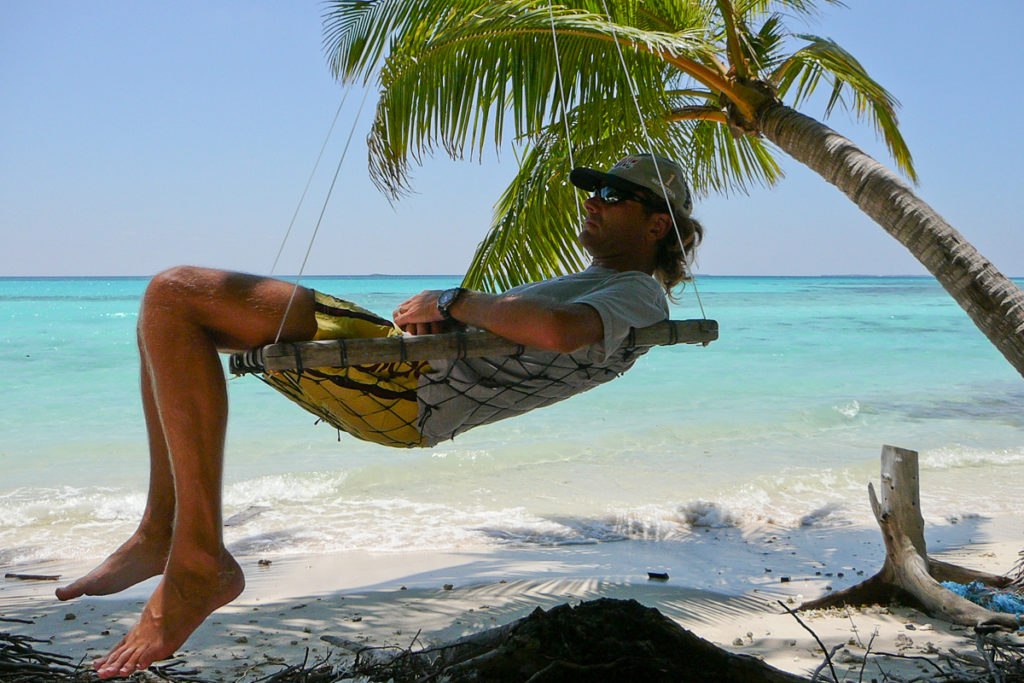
989, 598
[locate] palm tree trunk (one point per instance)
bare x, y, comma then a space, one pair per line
994, 303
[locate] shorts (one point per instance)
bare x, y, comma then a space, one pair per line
374, 403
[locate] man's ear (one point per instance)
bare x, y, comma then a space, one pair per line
660, 226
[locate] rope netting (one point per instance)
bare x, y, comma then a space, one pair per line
415, 391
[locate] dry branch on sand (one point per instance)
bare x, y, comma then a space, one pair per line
21, 661
602, 640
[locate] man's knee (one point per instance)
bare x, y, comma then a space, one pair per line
172, 286
239, 310
183, 289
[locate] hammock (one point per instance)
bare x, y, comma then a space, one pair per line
391, 390
427, 347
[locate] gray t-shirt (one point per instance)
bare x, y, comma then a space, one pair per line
460, 394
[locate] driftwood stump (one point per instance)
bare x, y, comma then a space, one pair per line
908, 574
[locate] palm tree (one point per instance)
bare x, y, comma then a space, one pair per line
703, 81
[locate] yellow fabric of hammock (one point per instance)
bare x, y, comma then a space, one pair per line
375, 402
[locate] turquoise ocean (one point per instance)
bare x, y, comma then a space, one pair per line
780, 422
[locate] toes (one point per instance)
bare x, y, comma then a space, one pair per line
105, 662
120, 662
69, 592
124, 659
139, 660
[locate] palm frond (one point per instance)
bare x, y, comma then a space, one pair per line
667, 16
463, 85
764, 46
822, 59
359, 34
750, 9
533, 235
462, 75
723, 163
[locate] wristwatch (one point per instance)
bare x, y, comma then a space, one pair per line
447, 300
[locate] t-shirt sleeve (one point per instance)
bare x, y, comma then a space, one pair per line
631, 300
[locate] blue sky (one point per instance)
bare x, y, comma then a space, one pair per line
139, 135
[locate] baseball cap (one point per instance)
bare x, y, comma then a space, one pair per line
638, 172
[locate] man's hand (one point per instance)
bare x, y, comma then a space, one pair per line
419, 314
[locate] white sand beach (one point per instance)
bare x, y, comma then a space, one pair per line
724, 586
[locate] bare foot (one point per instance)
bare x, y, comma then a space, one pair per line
177, 607
138, 559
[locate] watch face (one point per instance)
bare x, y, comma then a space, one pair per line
446, 299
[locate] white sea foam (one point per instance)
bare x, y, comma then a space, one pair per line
315, 513
66, 522
958, 457
284, 488
702, 513
848, 409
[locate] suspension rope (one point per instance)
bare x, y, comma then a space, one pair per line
565, 111
323, 210
650, 147
316, 165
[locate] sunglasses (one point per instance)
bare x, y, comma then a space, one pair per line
613, 195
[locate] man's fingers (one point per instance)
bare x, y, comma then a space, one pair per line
423, 328
417, 310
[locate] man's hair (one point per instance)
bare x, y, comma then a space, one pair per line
672, 261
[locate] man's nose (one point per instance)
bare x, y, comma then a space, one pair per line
592, 204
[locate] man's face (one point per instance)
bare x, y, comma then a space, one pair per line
614, 229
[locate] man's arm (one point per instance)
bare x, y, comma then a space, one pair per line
533, 321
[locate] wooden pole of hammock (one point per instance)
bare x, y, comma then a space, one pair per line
466, 344
908, 574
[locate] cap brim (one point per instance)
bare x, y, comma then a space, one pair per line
589, 180
586, 178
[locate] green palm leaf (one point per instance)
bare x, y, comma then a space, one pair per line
822, 59
461, 84
463, 75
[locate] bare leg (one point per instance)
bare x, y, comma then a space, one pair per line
145, 553
187, 315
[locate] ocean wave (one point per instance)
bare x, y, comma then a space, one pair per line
958, 457
65, 523
848, 409
332, 511
30, 507
284, 488
798, 497
703, 513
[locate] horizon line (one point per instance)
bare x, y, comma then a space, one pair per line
456, 275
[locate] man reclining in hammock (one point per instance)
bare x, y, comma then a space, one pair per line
189, 314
